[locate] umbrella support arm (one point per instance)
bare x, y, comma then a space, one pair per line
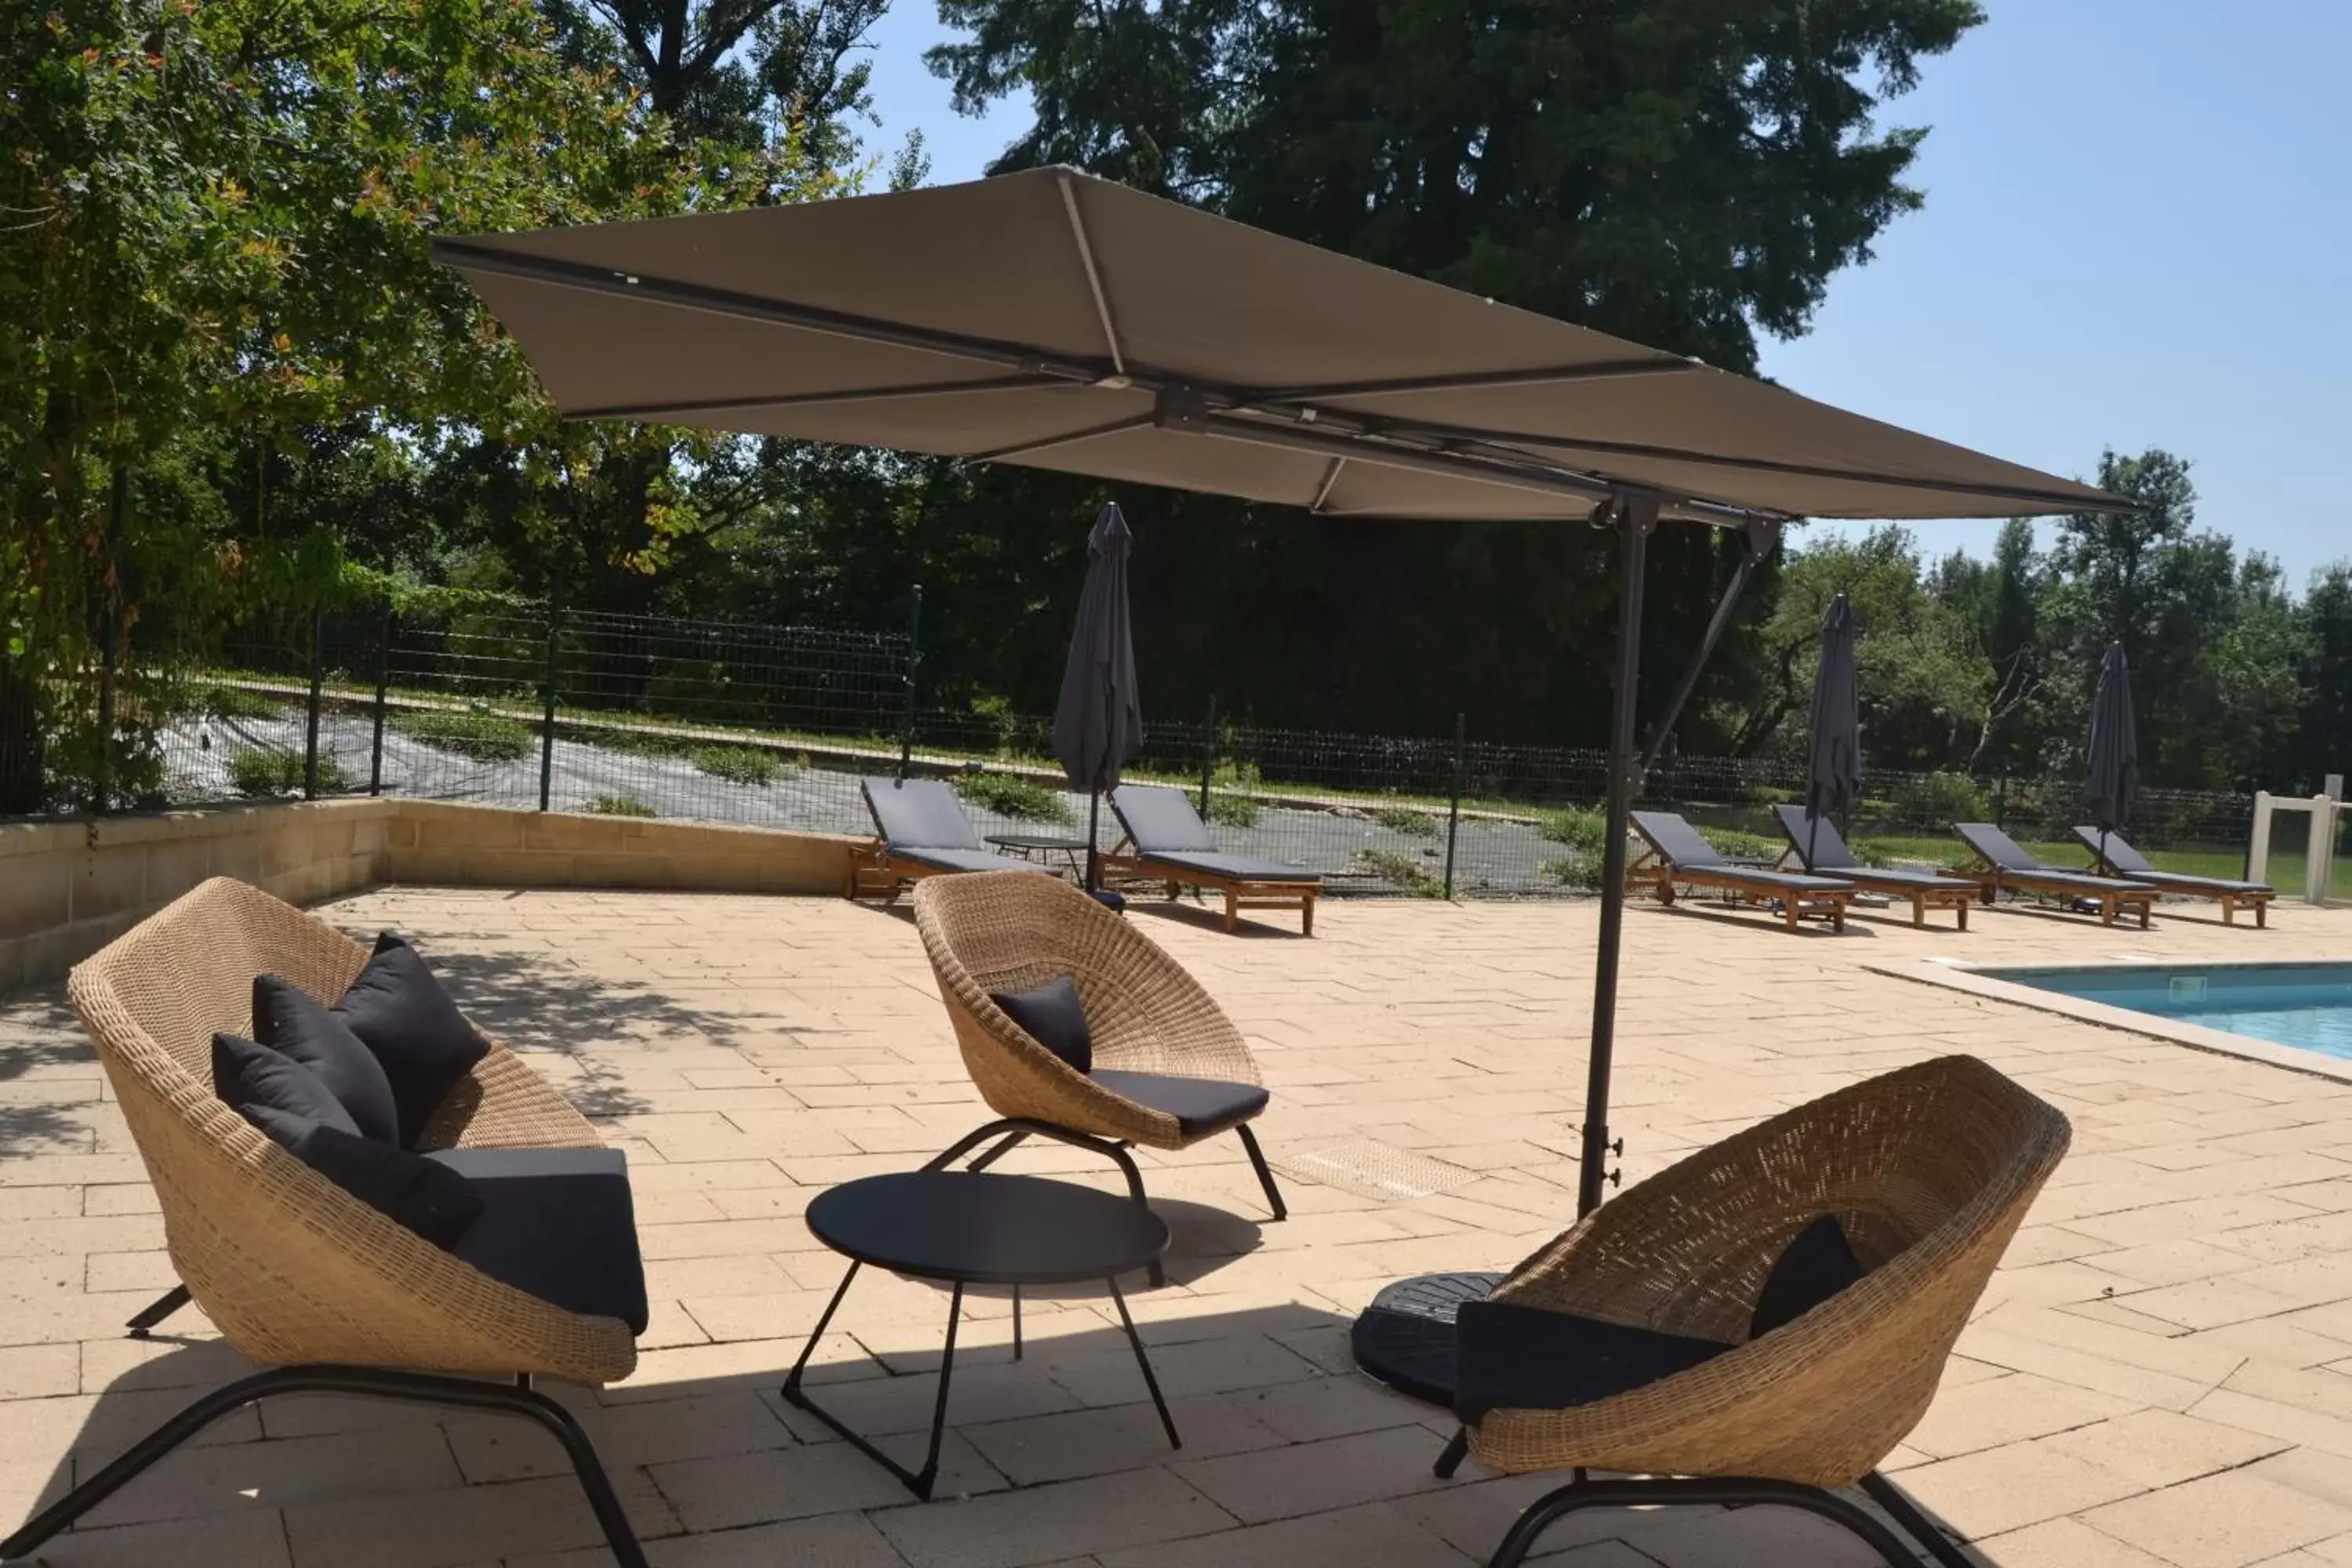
1635, 514
1757, 542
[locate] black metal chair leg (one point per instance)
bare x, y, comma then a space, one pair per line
1553, 1507
1167, 1422
414, 1387
1264, 1176
155, 1311
1021, 1128
1011, 1142
1912, 1522
1457, 1448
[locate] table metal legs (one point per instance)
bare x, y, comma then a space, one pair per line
919, 1482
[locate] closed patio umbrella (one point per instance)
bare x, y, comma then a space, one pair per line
1098, 723
1055, 320
1835, 777
2115, 748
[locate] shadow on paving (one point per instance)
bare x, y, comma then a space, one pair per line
1054, 1455
37, 1030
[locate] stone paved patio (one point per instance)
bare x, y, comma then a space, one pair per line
2161, 1373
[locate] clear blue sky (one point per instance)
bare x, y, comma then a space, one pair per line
2138, 233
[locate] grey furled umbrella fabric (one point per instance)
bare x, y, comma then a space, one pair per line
2115, 745
1098, 722
1052, 319
1834, 778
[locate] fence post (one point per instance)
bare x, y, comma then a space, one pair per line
382, 701
1208, 755
310, 717
546, 724
914, 666
1453, 811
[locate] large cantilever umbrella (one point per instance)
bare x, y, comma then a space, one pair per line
1098, 722
2115, 748
1835, 777
1061, 321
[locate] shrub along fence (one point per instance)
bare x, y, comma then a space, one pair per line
771, 726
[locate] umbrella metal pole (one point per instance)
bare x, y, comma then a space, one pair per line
1094, 856
1636, 515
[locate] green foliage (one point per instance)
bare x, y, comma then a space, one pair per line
1409, 820
736, 765
1405, 872
1582, 830
237, 702
1935, 800
261, 773
1010, 794
621, 806
1232, 810
485, 737
1741, 844
1571, 870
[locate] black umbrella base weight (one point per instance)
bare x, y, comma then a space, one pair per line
1405, 1338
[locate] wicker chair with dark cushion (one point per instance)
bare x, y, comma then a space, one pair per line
297, 1273
1169, 1068
1927, 1170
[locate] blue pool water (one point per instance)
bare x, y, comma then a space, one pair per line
2308, 1005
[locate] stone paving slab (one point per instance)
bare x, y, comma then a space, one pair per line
2160, 1374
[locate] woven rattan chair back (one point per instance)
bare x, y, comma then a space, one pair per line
1008, 931
1929, 1169
289, 1267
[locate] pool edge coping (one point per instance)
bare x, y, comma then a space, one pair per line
1970, 978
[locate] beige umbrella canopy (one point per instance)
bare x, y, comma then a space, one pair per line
1052, 319
1058, 321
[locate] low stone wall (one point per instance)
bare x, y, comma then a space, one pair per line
68, 889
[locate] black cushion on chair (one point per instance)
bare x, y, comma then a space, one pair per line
1813, 1267
434, 1202
1051, 1015
248, 1075
557, 1224
1509, 1357
1203, 1106
288, 1020
425, 1044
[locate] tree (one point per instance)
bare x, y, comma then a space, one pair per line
2324, 671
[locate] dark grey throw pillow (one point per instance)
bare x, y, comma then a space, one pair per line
400, 1012
288, 1020
248, 1075
1051, 1016
1813, 1267
434, 1201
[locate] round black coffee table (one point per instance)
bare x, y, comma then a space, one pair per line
968, 1227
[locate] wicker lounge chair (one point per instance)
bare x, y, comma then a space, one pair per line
1928, 1171
2002, 865
1822, 851
1676, 854
1166, 841
923, 833
297, 1274
2111, 853
1169, 1069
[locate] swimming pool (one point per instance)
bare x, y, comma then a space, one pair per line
2307, 1005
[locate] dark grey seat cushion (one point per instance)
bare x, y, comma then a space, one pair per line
1160, 819
1900, 877
434, 1201
290, 1021
919, 813
1510, 1357
557, 1224
1239, 867
399, 1011
2126, 861
1203, 1106
963, 859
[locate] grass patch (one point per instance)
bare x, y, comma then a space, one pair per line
621, 806
236, 702
1741, 844
1010, 794
1404, 819
485, 737
1572, 871
1405, 871
1232, 811
736, 765
259, 773
1584, 830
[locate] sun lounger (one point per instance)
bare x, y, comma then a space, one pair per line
2002, 865
923, 833
1166, 841
1676, 854
2112, 854
1820, 849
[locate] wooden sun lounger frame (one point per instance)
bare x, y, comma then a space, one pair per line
2231, 900
1650, 871
875, 872
1125, 860
1990, 879
1955, 898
